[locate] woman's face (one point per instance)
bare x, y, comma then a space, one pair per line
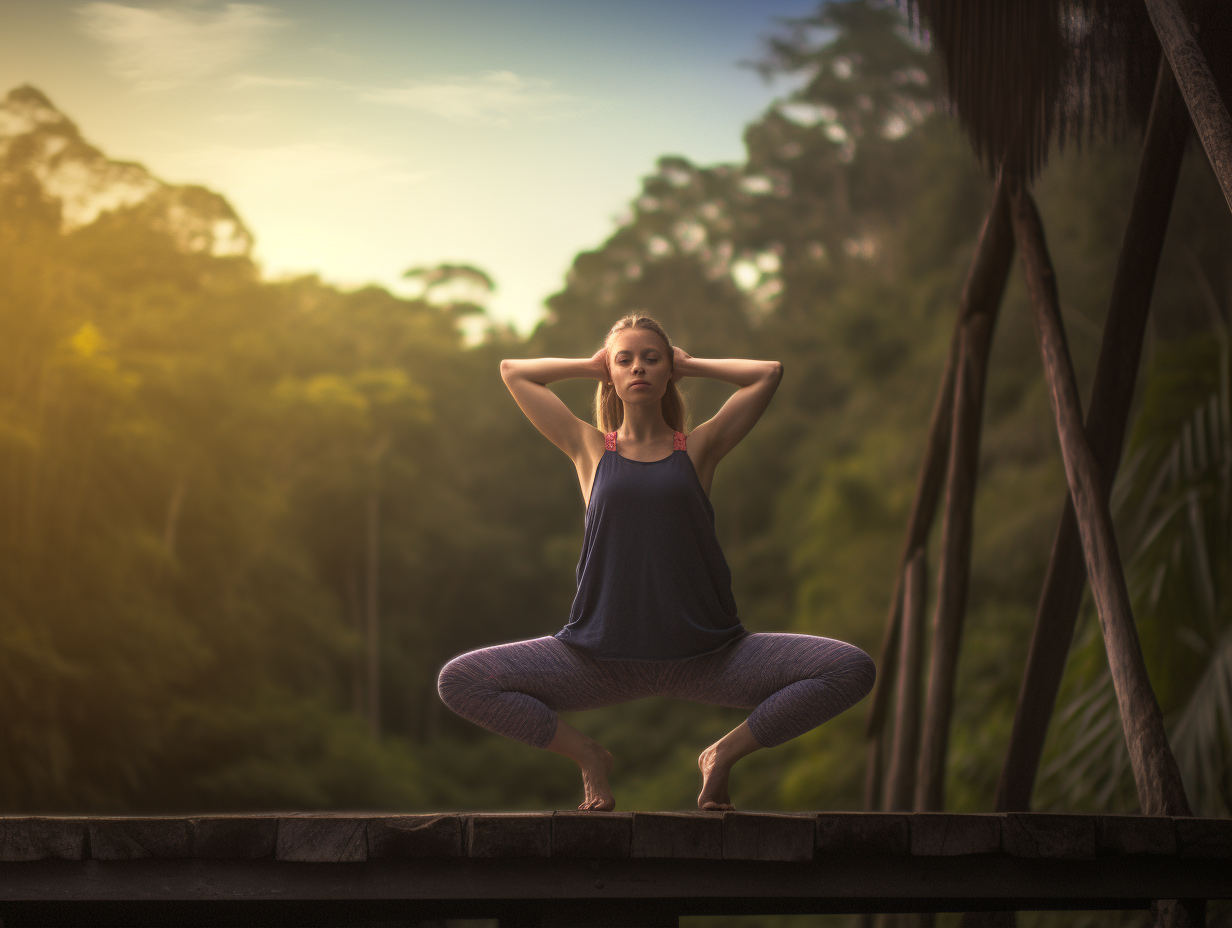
640, 366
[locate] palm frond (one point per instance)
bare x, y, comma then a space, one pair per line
1202, 738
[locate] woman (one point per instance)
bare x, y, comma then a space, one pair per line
654, 613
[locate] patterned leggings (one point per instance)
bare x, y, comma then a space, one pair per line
792, 683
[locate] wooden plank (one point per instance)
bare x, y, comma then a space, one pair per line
246, 837
677, 834
1111, 393
1204, 837
592, 834
321, 839
1036, 834
137, 838
1135, 834
939, 834
768, 836
509, 834
1156, 775
396, 836
862, 833
1206, 106
38, 838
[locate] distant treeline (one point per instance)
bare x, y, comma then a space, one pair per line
243, 523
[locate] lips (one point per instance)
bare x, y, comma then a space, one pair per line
640, 383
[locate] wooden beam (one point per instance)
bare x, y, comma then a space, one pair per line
955, 568
1156, 775
598, 868
900, 778
1115, 375
982, 292
1206, 106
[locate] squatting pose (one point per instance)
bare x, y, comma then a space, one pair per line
654, 613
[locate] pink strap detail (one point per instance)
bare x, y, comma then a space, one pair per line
609, 441
678, 444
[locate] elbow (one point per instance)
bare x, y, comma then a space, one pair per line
506, 369
775, 371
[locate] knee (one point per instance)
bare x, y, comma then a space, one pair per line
863, 671
456, 681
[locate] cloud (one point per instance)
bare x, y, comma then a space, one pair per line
495, 96
245, 81
155, 48
300, 166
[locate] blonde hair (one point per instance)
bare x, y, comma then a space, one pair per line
610, 409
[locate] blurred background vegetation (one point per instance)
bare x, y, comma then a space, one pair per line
244, 522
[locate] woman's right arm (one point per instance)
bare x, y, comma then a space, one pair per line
527, 380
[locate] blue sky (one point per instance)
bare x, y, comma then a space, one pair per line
359, 139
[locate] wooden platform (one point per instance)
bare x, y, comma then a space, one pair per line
571, 868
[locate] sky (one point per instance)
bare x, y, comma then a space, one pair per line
359, 139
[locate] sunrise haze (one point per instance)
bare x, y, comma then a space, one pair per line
358, 140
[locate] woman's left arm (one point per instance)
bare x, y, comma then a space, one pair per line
757, 381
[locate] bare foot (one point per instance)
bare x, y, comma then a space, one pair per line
595, 771
595, 761
716, 763
713, 797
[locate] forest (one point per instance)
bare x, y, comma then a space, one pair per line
246, 521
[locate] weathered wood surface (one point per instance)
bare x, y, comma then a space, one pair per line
982, 292
1193, 75
1111, 393
1156, 775
568, 867
699, 836
343, 837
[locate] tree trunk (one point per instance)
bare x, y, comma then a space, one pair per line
1115, 374
955, 558
1206, 106
355, 612
175, 504
900, 778
983, 289
1160, 791
374, 614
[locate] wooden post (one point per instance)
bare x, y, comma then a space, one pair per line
955, 558
1160, 791
982, 293
900, 778
923, 510
1206, 106
1115, 374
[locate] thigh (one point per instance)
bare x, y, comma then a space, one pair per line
757, 666
562, 677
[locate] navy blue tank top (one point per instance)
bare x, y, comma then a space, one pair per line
652, 582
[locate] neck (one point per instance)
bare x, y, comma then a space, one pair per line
644, 423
